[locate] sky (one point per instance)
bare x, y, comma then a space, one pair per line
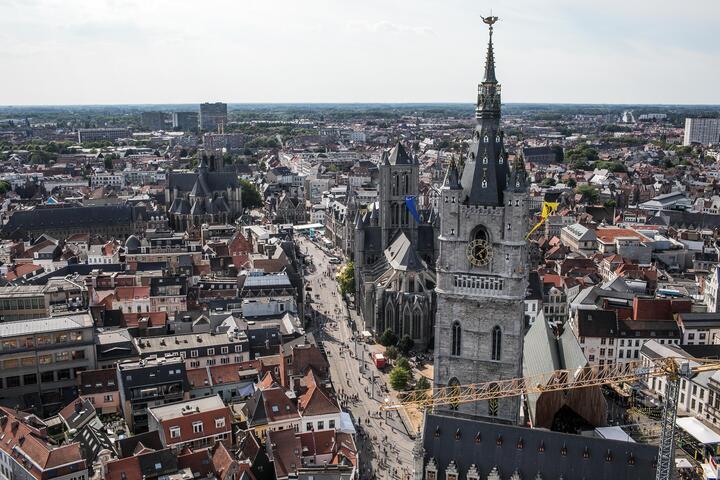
55, 52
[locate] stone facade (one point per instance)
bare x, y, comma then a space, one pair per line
482, 264
394, 254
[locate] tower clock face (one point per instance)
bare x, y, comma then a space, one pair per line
479, 252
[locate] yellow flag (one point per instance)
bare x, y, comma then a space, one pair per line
548, 209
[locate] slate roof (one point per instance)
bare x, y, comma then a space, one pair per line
401, 255
72, 217
399, 156
215, 181
532, 451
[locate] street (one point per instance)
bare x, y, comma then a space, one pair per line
385, 449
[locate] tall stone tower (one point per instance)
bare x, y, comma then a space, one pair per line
482, 264
398, 179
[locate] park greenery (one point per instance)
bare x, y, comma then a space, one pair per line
251, 197
346, 278
399, 378
588, 192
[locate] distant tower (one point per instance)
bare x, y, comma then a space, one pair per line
399, 176
482, 265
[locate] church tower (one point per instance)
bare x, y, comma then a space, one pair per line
482, 264
399, 176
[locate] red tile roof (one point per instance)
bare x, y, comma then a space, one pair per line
132, 293
18, 435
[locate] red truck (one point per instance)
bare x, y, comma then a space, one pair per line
378, 360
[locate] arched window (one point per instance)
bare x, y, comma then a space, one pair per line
406, 322
389, 317
417, 320
480, 234
407, 184
456, 339
454, 385
496, 342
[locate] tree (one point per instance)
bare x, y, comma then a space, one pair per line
346, 278
589, 193
399, 378
571, 183
422, 383
405, 345
4, 187
548, 182
388, 338
391, 352
403, 362
251, 197
108, 163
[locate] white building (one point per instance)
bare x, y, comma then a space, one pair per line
705, 131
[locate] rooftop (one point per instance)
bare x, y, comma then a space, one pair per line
199, 405
42, 325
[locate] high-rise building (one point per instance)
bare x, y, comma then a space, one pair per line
152, 120
213, 115
185, 121
705, 131
482, 272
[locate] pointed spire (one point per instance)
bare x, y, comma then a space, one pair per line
452, 178
490, 57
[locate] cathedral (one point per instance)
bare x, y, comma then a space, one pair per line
207, 196
482, 263
394, 254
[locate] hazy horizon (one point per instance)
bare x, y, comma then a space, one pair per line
130, 52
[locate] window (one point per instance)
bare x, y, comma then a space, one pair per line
219, 423
602, 352
174, 432
456, 339
331, 423
31, 379
13, 381
193, 353
210, 351
309, 426
321, 425
238, 348
224, 350
108, 398
47, 377
496, 342
603, 341
197, 427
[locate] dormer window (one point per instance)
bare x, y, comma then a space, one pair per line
486, 139
484, 184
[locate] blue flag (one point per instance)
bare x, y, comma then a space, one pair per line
412, 208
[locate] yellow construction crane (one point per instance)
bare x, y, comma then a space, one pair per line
558, 380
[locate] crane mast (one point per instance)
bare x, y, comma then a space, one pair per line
558, 380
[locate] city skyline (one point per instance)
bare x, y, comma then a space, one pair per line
127, 52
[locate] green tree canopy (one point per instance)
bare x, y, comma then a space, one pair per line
251, 197
422, 383
4, 187
405, 344
388, 338
589, 193
391, 352
403, 362
548, 182
399, 378
346, 278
